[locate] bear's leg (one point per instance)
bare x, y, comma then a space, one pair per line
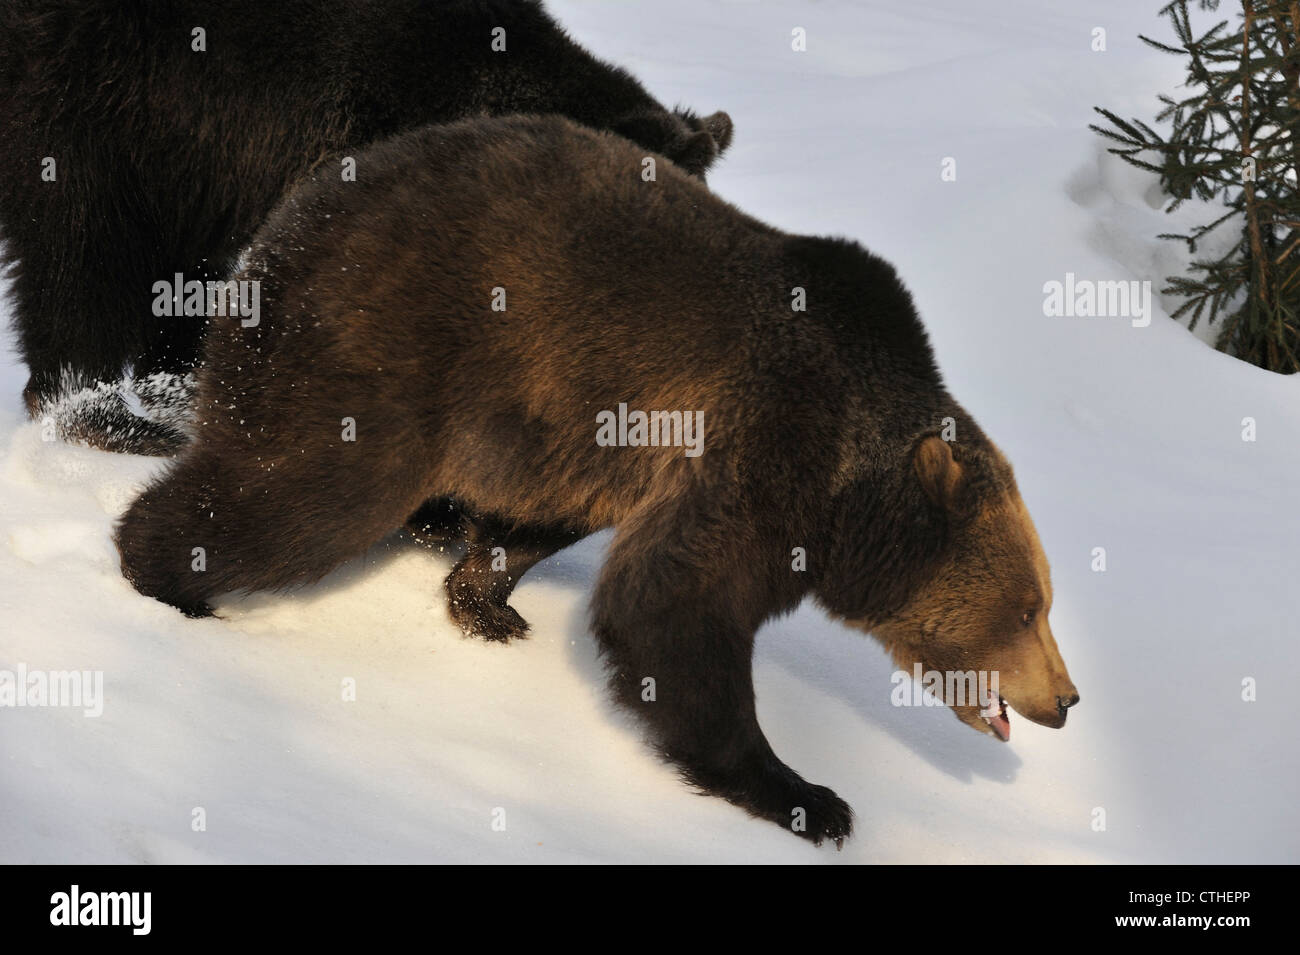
498, 554
163, 377
675, 613
479, 586
165, 538
440, 521
173, 347
83, 312
214, 525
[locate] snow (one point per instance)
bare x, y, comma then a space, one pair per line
1124, 438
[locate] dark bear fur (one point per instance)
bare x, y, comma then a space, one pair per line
168, 159
377, 308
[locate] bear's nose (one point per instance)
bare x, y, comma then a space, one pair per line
1063, 703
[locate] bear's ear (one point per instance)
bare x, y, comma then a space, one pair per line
720, 128
695, 153
941, 475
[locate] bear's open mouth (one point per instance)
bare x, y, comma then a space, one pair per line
1000, 721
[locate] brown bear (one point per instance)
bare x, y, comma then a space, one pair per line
144, 140
515, 316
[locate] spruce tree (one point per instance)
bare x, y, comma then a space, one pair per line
1233, 141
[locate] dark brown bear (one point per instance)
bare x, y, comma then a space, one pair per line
381, 376
135, 147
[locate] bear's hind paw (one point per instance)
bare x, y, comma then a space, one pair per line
498, 623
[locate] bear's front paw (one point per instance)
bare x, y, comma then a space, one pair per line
774, 791
819, 814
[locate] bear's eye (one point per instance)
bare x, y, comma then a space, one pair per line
1026, 618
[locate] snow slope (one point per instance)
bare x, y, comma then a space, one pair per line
1124, 438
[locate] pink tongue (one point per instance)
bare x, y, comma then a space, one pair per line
1002, 726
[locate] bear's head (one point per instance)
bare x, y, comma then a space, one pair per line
692, 142
971, 590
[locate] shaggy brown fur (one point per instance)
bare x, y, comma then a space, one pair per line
818, 428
